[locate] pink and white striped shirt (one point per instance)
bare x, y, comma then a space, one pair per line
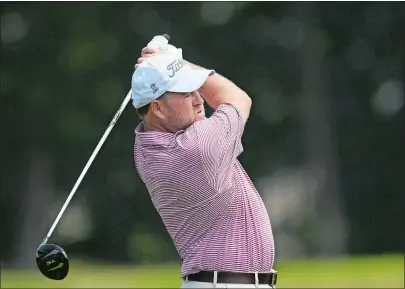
208, 203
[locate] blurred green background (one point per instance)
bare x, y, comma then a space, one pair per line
324, 144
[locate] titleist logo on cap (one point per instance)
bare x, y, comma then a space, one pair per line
175, 66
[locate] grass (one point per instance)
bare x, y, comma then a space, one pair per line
386, 271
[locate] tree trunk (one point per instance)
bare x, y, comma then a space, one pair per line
319, 129
36, 203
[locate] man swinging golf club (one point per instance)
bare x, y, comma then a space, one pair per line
189, 164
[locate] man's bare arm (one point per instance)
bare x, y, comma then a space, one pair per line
218, 90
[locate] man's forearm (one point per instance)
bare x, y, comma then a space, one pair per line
217, 90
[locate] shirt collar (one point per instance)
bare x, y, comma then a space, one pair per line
154, 138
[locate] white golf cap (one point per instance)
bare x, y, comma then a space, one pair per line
162, 73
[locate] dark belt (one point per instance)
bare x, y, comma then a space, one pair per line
236, 278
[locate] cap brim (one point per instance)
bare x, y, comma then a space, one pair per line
189, 80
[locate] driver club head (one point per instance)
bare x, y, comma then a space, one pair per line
52, 261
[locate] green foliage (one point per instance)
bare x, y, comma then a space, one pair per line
147, 248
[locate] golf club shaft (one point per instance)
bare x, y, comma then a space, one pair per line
100, 144
89, 162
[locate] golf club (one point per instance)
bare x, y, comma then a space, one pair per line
51, 259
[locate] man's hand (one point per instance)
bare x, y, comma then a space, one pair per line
147, 52
158, 45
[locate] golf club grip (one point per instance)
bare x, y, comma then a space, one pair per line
89, 162
167, 36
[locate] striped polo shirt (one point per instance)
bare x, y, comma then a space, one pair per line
210, 207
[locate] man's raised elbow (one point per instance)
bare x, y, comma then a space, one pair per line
245, 106
248, 101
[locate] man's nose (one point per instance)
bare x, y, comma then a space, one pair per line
197, 99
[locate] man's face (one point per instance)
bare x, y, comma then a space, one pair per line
180, 110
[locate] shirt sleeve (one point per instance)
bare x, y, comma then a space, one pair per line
219, 142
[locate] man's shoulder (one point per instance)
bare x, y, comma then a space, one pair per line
174, 162
181, 146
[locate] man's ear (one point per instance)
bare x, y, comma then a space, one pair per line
156, 108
